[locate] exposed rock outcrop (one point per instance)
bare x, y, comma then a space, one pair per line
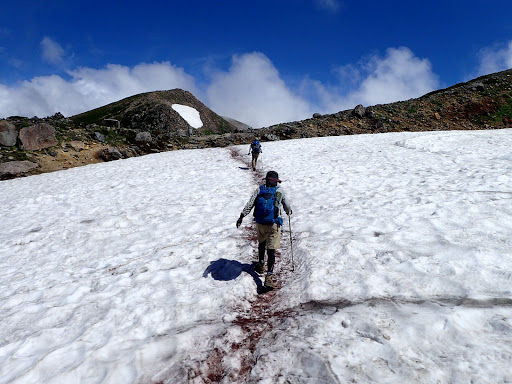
15, 168
110, 154
38, 136
8, 134
144, 137
359, 111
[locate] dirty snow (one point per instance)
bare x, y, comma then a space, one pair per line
133, 271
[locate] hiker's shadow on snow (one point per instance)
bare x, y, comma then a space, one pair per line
226, 270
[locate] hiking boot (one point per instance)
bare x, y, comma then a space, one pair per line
258, 268
269, 282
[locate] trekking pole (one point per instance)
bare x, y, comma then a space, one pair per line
291, 241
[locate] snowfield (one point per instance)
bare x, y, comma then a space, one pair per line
133, 271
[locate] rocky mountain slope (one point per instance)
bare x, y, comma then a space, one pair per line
482, 103
148, 123
153, 112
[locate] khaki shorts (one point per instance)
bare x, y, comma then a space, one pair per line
270, 233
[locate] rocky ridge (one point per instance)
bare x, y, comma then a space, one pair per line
482, 103
147, 123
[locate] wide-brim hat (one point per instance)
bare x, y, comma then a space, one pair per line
272, 175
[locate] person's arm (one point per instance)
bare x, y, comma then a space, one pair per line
248, 207
250, 203
286, 205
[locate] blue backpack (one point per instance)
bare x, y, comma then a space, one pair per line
256, 146
266, 207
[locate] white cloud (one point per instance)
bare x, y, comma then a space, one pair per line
495, 59
52, 53
90, 88
253, 92
398, 76
117, 81
348, 74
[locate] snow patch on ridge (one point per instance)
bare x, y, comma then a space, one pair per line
191, 115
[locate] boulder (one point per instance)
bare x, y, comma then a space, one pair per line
77, 145
8, 134
476, 86
143, 137
358, 111
38, 136
57, 117
15, 168
270, 137
370, 113
110, 153
98, 136
128, 152
316, 115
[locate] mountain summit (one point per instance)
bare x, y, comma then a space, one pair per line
154, 112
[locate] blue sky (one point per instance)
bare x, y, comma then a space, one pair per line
261, 62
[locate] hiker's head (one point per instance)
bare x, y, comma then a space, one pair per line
272, 179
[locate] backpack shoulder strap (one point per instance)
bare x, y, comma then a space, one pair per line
279, 195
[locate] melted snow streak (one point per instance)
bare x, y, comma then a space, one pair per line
231, 356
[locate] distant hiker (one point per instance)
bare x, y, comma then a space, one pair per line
255, 149
267, 200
